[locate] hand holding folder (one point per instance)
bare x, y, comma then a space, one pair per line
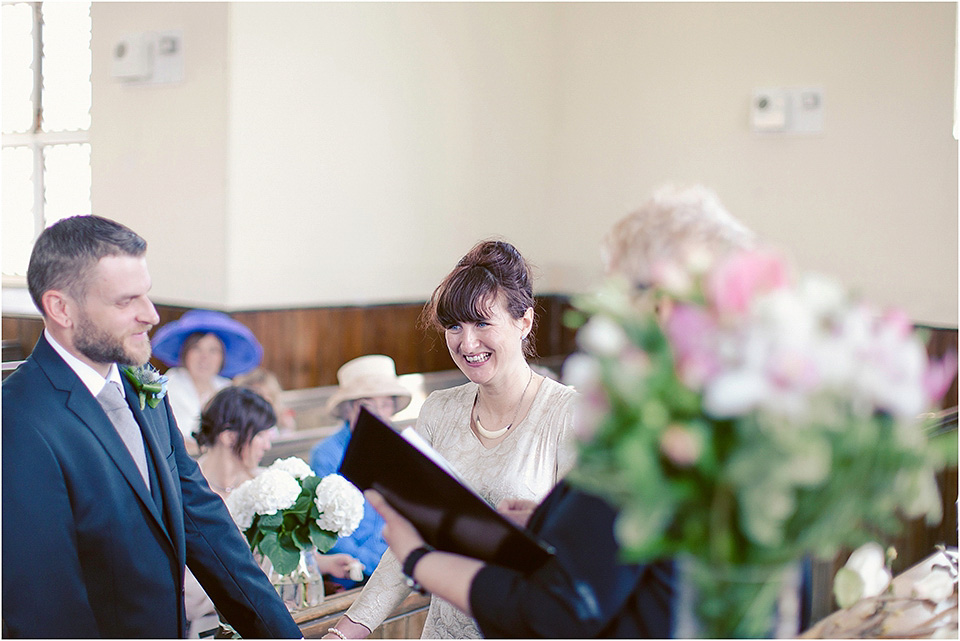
412, 477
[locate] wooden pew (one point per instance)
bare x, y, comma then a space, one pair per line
314, 424
406, 622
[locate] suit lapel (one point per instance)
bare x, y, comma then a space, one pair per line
151, 425
88, 410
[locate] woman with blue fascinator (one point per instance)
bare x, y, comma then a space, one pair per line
204, 350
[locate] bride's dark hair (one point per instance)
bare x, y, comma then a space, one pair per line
492, 269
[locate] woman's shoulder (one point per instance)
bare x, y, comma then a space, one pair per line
443, 404
556, 392
441, 397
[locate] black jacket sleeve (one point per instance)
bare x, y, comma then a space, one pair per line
584, 590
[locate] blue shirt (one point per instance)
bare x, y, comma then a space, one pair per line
365, 544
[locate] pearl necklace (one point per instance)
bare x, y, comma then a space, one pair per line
498, 433
229, 488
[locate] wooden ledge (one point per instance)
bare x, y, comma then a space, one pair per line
405, 622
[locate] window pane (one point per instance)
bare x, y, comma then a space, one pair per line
17, 219
66, 181
66, 66
17, 73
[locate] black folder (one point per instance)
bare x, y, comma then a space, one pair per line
450, 516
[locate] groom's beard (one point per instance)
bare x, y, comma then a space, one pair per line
102, 347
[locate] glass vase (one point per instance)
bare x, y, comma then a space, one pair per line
300, 589
737, 602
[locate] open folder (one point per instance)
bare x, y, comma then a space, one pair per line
421, 486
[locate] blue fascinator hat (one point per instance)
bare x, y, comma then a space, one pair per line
242, 350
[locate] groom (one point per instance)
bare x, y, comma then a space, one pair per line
102, 506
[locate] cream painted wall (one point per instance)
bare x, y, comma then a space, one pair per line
159, 153
374, 144
663, 96
351, 152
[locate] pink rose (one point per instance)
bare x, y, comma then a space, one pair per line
693, 335
939, 377
897, 320
738, 280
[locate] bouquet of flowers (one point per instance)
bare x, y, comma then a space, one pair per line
745, 419
287, 509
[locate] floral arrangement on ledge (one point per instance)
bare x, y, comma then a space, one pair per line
287, 509
743, 418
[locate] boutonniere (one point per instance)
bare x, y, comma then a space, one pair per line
150, 384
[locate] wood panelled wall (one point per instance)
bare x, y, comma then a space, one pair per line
305, 347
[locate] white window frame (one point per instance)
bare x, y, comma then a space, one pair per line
37, 139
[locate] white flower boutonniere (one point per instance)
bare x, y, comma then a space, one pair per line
150, 384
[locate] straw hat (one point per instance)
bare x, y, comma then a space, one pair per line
241, 349
367, 377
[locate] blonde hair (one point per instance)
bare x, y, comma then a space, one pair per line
262, 381
674, 220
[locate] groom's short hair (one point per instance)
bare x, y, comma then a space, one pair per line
67, 251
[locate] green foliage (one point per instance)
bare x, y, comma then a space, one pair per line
281, 536
763, 488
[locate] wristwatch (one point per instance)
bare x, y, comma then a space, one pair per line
411, 562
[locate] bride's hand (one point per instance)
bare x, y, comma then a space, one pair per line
398, 532
517, 510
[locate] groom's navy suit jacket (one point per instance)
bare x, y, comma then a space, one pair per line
88, 550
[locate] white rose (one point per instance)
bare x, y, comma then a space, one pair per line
869, 562
581, 372
602, 336
936, 586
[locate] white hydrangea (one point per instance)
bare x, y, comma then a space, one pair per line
294, 466
274, 490
340, 504
241, 505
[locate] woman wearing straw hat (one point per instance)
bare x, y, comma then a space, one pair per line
204, 349
368, 381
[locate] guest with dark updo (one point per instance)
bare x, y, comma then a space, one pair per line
236, 430
508, 431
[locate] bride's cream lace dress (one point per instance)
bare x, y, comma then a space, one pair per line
526, 464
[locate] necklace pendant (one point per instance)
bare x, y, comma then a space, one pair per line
498, 433
487, 433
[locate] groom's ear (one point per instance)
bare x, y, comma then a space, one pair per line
57, 308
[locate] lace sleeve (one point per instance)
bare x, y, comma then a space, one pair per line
385, 590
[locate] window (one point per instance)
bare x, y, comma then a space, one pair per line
46, 122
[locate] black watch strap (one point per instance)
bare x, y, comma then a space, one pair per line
411, 562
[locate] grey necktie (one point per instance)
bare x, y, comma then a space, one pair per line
113, 403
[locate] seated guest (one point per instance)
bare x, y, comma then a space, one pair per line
585, 589
236, 430
205, 349
368, 381
266, 384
